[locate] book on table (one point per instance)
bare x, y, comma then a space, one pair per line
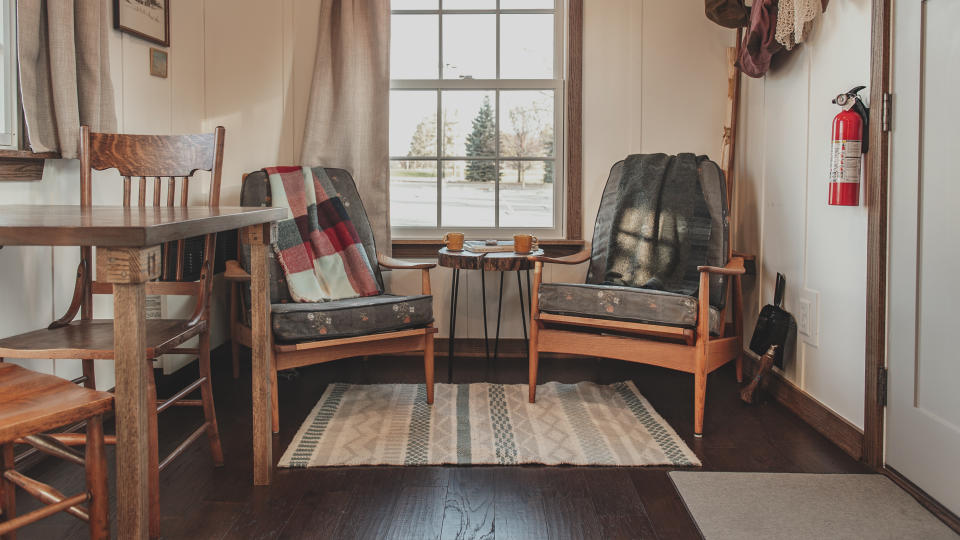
481, 246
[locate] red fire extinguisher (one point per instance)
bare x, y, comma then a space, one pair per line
850, 132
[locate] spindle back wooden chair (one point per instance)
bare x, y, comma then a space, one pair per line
31, 403
161, 162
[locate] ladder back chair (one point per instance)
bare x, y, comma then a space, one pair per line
162, 165
683, 332
31, 403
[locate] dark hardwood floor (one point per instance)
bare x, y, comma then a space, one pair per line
199, 501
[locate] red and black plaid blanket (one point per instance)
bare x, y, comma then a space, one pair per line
317, 245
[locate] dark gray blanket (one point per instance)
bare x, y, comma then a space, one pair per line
662, 227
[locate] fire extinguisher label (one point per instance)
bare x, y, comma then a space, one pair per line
845, 161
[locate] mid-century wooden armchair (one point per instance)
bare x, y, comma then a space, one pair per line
312, 333
654, 327
162, 161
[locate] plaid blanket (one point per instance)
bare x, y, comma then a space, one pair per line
317, 245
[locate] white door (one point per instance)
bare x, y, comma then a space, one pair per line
923, 412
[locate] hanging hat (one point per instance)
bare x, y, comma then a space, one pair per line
728, 13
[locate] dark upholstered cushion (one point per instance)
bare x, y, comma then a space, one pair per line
350, 317
256, 192
623, 304
714, 191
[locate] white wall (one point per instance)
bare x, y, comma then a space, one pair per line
40, 281
781, 193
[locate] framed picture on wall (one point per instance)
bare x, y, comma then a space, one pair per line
147, 19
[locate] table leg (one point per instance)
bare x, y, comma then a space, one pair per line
127, 269
523, 313
451, 347
496, 343
259, 238
486, 335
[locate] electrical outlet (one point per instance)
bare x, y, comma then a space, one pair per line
808, 317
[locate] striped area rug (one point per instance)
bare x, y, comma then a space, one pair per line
485, 424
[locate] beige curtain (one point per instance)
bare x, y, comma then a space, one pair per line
347, 115
63, 52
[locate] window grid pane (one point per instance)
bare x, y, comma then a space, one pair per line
511, 185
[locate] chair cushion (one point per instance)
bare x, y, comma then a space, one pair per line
623, 304
350, 317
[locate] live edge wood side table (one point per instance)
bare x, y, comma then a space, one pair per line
128, 255
502, 262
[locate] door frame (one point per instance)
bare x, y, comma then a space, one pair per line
877, 182
877, 185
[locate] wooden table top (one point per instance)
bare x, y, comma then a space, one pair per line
116, 226
492, 262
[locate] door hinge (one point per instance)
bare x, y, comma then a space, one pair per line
885, 111
882, 387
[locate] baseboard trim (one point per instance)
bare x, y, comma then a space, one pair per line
943, 513
828, 423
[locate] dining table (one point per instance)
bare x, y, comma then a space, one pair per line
128, 254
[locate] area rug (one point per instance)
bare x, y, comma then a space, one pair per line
485, 424
786, 506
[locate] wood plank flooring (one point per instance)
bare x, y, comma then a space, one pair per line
199, 501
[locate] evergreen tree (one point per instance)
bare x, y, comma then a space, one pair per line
548, 166
482, 141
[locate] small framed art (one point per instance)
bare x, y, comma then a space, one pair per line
158, 62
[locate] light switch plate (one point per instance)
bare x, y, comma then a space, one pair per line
808, 317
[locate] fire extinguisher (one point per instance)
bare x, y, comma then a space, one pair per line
850, 132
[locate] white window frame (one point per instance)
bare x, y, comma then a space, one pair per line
557, 231
9, 87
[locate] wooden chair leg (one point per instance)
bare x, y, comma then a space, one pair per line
428, 365
8, 495
206, 396
274, 392
234, 319
701, 354
153, 474
534, 355
96, 465
88, 372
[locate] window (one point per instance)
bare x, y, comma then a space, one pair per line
9, 100
476, 112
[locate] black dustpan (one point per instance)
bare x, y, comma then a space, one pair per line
773, 325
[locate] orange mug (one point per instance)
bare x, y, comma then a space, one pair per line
453, 241
524, 243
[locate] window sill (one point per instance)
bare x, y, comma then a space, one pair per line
23, 165
427, 249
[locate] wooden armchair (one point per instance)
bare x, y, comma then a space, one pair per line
639, 325
312, 333
175, 158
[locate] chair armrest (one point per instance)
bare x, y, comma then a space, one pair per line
235, 272
744, 256
577, 258
397, 264
733, 268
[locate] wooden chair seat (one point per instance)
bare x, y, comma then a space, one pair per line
32, 402
93, 338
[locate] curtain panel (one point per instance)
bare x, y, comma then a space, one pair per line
64, 59
348, 108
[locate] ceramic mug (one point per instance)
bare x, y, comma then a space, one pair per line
524, 243
453, 241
